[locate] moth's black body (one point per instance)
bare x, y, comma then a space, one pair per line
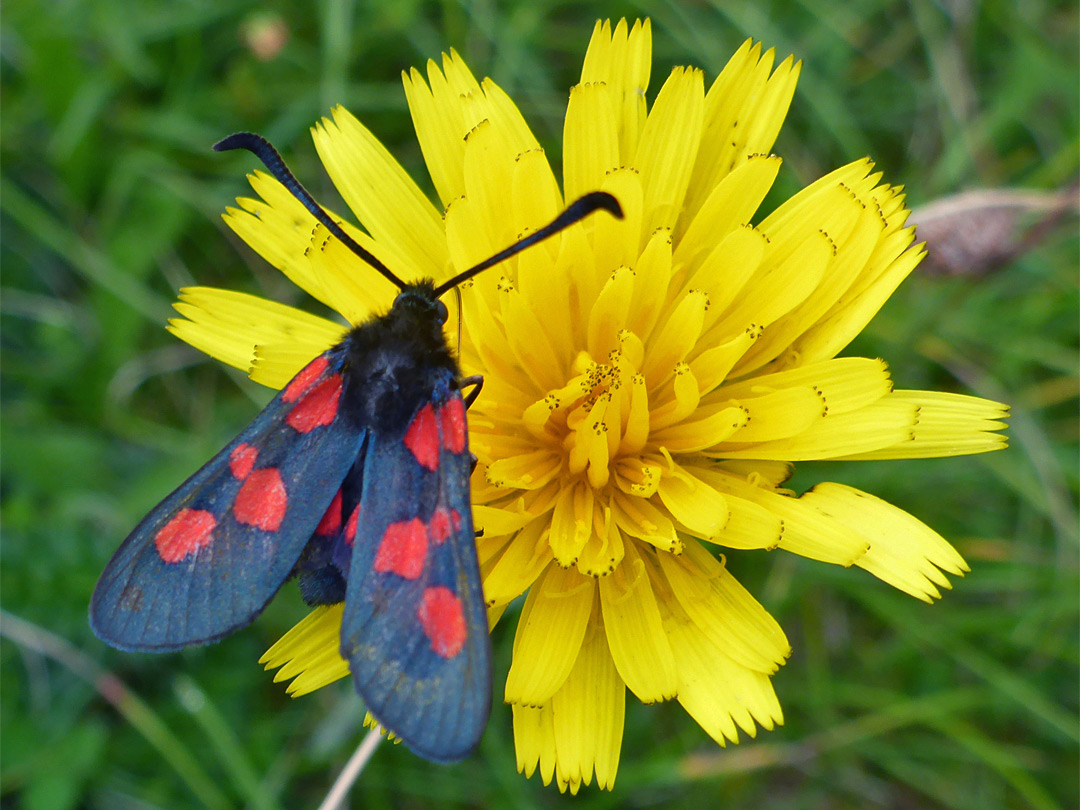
393, 360
393, 365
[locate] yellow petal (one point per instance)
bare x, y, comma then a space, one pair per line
639, 518
776, 288
744, 110
946, 425
348, 283
588, 444
788, 403
730, 205
669, 142
779, 414
843, 384
530, 344
274, 364
855, 309
638, 644
605, 548
534, 740
636, 430
609, 313
278, 229
717, 692
496, 522
588, 714
806, 531
520, 564
590, 139
712, 366
726, 270
698, 507
750, 525
683, 401
571, 522
615, 241
440, 129
549, 635
229, 325
757, 472
501, 110
494, 614
887, 422
710, 427
652, 275
384, 198
489, 162
309, 652
855, 176
904, 551
530, 471
853, 230
636, 477
723, 610
621, 60
675, 339
536, 196
770, 109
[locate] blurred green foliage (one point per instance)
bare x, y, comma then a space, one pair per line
110, 201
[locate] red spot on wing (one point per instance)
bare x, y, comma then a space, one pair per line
242, 459
452, 419
422, 438
305, 379
331, 520
444, 522
187, 532
443, 620
350, 525
403, 549
262, 500
439, 526
318, 407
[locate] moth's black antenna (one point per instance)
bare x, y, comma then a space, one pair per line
265, 151
576, 211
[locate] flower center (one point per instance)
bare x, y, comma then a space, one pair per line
599, 421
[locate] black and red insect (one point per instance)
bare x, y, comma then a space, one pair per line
355, 481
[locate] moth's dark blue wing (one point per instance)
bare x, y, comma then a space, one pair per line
210, 556
415, 629
323, 568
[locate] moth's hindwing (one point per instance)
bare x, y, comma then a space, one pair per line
415, 629
210, 556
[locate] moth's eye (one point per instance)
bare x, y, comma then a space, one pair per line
440, 312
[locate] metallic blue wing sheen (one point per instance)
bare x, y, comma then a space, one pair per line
438, 705
144, 603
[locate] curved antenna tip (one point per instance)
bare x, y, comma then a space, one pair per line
602, 200
575, 212
265, 151
240, 140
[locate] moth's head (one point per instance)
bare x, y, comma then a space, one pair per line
418, 300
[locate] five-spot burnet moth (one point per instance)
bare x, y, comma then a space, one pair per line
355, 481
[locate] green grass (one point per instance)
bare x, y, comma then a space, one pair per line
110, 201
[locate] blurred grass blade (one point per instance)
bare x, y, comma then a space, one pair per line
126, 702
224, 742
84, 258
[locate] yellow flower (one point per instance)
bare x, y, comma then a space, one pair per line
648, 382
